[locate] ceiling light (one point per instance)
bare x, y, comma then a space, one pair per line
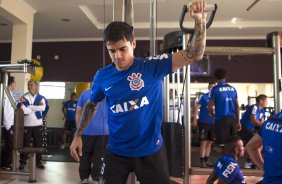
234, 20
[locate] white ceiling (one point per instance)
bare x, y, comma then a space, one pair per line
88, 18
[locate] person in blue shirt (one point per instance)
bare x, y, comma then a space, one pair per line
223, 104
133, 90
94, 139
226, 169
206, 127
269, 137
69, 110
252, 121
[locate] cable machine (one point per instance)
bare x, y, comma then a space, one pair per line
178, 42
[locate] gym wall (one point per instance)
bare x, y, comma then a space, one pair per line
79, 61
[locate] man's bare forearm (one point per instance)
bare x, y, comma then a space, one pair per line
197, 45
89, 111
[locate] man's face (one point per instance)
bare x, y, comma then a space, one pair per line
13, 86
263, 102
121, 53
32, 87
240, 148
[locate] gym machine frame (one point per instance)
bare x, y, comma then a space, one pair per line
23, 66
274, 41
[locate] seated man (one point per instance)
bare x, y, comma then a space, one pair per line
226, 169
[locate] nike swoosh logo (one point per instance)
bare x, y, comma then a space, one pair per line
106, 89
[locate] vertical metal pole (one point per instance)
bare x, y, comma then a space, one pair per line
187, 119
1, 107
276, 38
166, 98
173, 98
153, 23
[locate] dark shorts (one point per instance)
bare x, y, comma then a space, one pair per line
224, 130
206, 131
93, 150
246, 134
151, 169
70, 125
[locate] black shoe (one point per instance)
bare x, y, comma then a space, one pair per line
203, 164
40, 166
21, 167
209, 163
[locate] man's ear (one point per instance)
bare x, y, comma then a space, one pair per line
134, 43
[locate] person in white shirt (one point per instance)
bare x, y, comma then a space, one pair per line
8, 123
33, 104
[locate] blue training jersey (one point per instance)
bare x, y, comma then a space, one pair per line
224, 97
252, 110
70, 107
99, 123
271, 134
134, 103
227, 168
204, 116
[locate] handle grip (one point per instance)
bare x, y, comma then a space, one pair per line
208, 8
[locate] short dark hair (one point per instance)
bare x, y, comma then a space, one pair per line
118, 30
260, 97
73, 94
230, 143
219, 74
11, 80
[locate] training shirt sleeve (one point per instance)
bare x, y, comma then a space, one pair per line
160, 65
96, 94
80, 102
211, 94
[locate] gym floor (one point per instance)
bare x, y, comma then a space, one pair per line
67, 172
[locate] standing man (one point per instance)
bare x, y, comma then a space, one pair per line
252, 121
223, 97
94, 140
206, 127
8, 122
269, 137
227, 169
33, 104
133, 88
69, 109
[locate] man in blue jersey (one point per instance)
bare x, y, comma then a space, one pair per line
69, 109
269, 137
94, 139
206, 127
252, 121
227, 169
133, 88
223, 104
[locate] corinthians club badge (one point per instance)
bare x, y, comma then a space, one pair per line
136, 83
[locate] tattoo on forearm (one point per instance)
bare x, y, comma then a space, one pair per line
88, 113
198, 43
